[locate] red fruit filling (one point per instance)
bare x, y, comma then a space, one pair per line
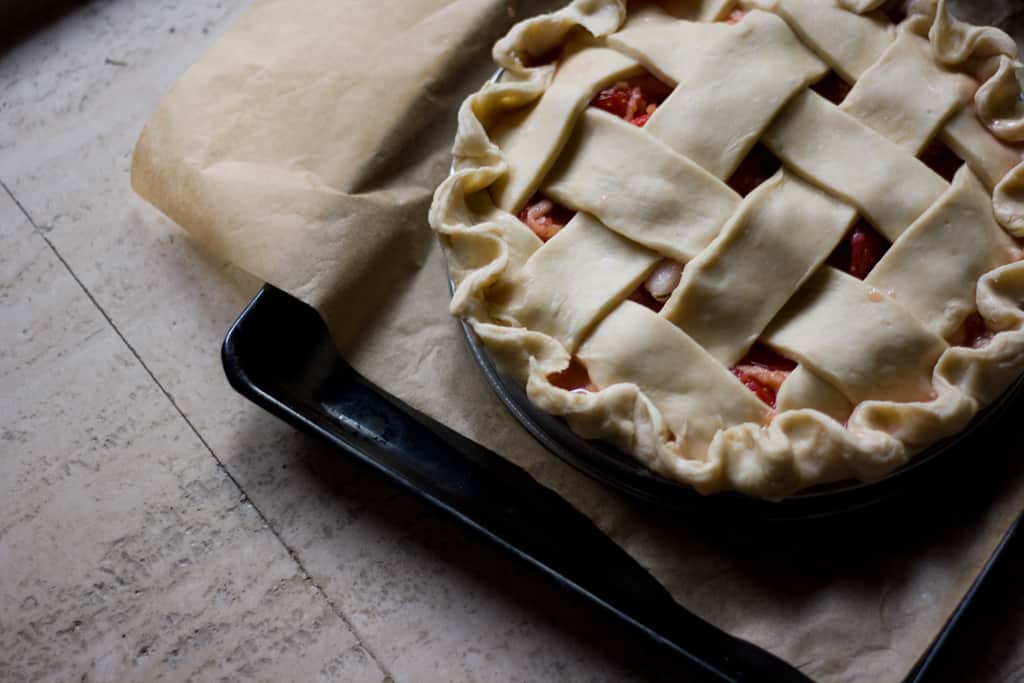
758, 166
896, 11
642, 120
573, 378
545, 217
763, 371
735, 16
941, 159
867, 248
644, 298
861, 249
973, 333
633, 100
832, 88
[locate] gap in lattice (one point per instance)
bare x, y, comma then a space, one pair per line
763, 370
574, 378
758, 166
939, 157
861, 248
545, 217
633, 99
832, 87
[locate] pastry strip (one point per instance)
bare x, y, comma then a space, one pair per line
696, 395
857, 338
531, 142
932, 269
468, 253
576, 278
849, 42
640, 188
837, 152
716, 126
905, 95
987, 156
782, 232
804, 389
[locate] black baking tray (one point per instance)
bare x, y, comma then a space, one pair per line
279, 354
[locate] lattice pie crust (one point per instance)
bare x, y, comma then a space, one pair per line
878, 374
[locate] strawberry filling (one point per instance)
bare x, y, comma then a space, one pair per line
644, 298
972, 333
634, 100
545, 217
573, 378
641, 121
763, 371
867, 248
758, 166
832, 88
941, 159
861, 249
735, 16
896, 11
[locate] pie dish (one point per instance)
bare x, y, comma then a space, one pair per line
759, 246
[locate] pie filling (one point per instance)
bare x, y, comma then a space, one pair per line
861, 248
736, 15
763, 371
758, 166
633, 100
973, 333
545, 217
642, 296
941, 159
832, 88
573, 378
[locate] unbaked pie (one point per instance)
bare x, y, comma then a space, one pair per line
758, 245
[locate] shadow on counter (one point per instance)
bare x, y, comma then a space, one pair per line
20, 20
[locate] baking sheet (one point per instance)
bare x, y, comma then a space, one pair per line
305, 147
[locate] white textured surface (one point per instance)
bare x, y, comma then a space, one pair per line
126, 552
153, 524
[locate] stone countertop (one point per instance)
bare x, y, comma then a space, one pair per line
153, 524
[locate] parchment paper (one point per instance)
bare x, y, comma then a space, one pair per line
305, 147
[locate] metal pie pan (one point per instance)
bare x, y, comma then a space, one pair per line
628, 475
